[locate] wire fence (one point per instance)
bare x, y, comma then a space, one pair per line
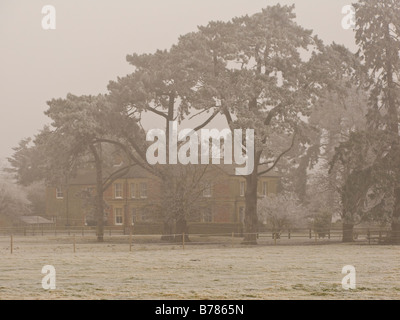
76, 236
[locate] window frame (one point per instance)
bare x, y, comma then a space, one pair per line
143, 215
264, 188
121, 215
133, 216
207, 215
58, 192
143, 195
242, 214
132, 189
115, 190
207, 190
242, 188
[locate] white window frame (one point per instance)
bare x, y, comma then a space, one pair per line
242, 188
143, 215
143, 195
115, 191
242, 213
207, 190
264, 188
59, 193
119, 215
133, 216
207, 215
132, 189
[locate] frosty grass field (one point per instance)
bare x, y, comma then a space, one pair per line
152, 271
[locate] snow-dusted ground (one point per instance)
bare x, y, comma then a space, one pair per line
153, 271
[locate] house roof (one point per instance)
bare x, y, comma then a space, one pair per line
84, 176
88, 176
35, 220
230, 170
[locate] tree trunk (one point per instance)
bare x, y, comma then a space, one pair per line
395, 235
99, 194
394, 128
127, 218
181, 228
100, 207
348, 232
167, 232
251, 218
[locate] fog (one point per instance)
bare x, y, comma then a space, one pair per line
92, 38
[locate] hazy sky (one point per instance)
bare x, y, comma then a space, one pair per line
93, 37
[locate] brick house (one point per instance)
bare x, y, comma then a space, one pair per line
135, 199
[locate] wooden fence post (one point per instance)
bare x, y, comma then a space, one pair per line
183, 241
289, 234
74, 243
11, 244
369, 236
130, 239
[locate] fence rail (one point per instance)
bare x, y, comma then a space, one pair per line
359, 234
45, 230
76, 238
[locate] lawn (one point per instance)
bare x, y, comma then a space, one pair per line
154, 271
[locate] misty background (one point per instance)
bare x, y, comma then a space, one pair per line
92, 39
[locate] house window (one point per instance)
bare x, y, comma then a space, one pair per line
59, 193
88, 191
206, 215
207, 190
140, 215
143, 190
265, 189
242, 188
143, 214
132, 190
241, 214
118, 191
133, 216
118, 216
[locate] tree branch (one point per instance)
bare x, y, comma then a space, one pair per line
199, 113
227, 116
162, 114
116, 175
280, 156
207, 121
272, 113
129, 154
267, 162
